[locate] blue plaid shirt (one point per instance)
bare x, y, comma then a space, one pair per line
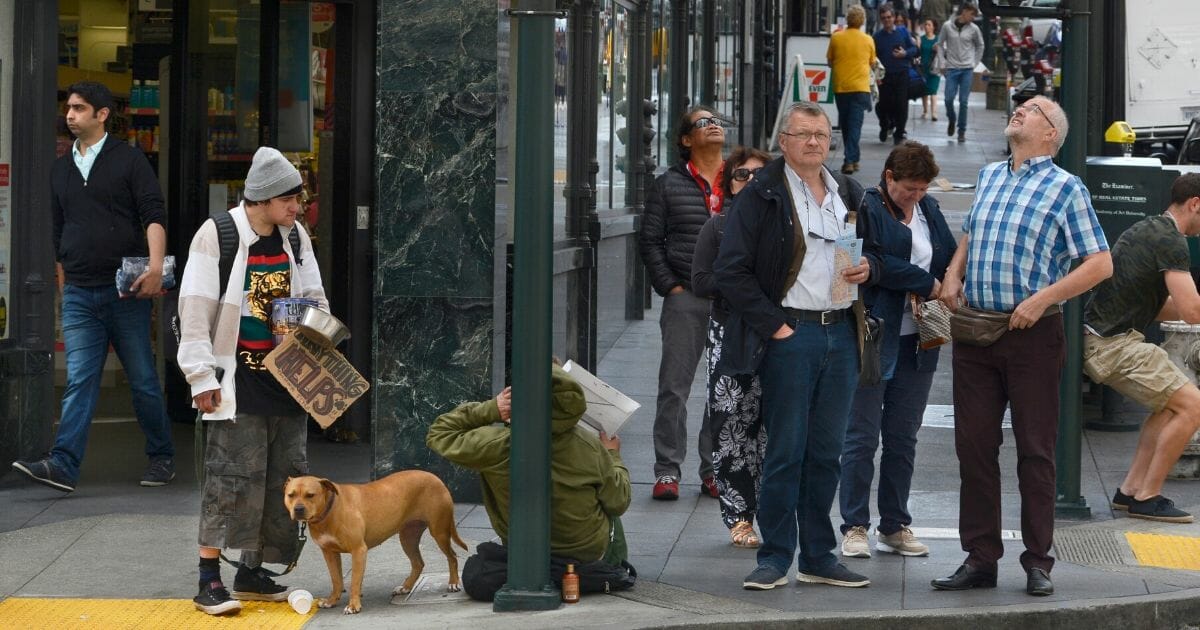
1025, 228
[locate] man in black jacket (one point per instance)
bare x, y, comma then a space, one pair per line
791, 320
680, 202
107, 205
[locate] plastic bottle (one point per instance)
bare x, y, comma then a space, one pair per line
152, 96
229, 98
570, 586
136, 95
154, 144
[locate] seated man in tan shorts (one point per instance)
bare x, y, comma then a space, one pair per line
1151, 281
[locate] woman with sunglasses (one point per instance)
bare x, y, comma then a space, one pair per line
917, 247
739, 442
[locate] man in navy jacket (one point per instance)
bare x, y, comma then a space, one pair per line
895, 48
107, 205
776, 268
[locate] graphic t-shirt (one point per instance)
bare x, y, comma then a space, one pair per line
268, 276
1137, 290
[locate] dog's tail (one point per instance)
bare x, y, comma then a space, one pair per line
454, 536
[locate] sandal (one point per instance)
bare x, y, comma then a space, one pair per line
742, 535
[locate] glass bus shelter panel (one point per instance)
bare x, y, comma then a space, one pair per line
611, 126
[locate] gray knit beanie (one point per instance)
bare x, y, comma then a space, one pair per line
271, 175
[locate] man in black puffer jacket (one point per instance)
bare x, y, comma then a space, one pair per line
680, 202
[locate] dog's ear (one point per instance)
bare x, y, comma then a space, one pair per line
329, 486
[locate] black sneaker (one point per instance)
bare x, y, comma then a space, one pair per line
46, 473
764, 578
214, 599
950, 127
159, 472
255, 585
1158, 508
1120, 500
837, 575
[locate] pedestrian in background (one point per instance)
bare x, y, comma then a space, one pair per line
850, 54
739, 441
106, 205
256, 432
933, 80
917, 245
937, 10
896, 48
1029, 220
776, 269
962, 50
679, 203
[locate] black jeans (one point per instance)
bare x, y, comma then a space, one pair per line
892, 108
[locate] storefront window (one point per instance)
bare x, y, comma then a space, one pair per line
611, 122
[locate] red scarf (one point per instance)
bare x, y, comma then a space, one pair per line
714, 197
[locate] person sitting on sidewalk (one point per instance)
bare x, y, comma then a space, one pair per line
589, 483
1151, 280
258, 438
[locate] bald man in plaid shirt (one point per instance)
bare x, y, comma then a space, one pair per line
1030, 219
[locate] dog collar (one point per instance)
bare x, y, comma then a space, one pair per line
328, 508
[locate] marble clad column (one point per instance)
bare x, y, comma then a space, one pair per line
434, 225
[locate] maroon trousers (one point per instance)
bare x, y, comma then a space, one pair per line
1023, 369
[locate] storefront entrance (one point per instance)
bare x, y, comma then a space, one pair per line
200, 85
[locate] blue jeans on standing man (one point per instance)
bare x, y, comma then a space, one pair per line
851, 107
93, 318
958, 81
808, 380
894, 409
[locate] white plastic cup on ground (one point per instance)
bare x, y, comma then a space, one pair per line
301, 601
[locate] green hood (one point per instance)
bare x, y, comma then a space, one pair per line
566, 402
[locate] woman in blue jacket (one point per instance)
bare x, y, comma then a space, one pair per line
917, 246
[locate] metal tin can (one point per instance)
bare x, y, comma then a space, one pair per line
286, 314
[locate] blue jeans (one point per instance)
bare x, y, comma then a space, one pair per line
851, 106
808, 380
958, 81
93, 318
893, 409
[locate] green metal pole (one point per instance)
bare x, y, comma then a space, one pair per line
1071, 504
529, 586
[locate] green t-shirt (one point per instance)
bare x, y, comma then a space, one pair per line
1137, 290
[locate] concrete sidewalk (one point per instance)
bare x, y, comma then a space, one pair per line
114, 540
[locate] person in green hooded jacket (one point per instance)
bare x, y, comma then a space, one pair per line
589, 483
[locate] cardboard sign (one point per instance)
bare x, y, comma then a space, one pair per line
316, 375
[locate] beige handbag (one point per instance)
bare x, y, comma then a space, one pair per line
933, 322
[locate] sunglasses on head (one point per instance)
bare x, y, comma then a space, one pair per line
701, 123
743, 174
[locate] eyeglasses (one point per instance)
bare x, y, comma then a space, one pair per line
701, 123
1033, 107
805, 136
744, 174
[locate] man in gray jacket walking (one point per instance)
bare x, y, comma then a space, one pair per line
962, 44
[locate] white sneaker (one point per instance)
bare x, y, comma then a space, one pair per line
902, 542
855, 544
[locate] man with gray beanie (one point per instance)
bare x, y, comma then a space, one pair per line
256, 432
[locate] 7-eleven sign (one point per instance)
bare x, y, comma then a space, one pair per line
818, 79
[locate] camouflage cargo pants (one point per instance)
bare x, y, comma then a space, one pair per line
247, 462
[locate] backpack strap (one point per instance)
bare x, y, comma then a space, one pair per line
294, 241
227, 236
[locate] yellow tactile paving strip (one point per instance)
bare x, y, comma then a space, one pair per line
36, 613
1168, 552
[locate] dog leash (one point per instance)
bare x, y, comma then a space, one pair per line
290, 567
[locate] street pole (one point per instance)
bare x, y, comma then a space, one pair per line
1071, 504
529, 586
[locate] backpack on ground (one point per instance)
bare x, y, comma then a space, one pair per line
486, 572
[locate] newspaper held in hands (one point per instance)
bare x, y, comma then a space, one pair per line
607, 408
846, 254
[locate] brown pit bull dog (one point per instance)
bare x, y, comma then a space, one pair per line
351, 518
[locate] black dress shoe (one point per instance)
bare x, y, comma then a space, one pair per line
1039, 583
967, 577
